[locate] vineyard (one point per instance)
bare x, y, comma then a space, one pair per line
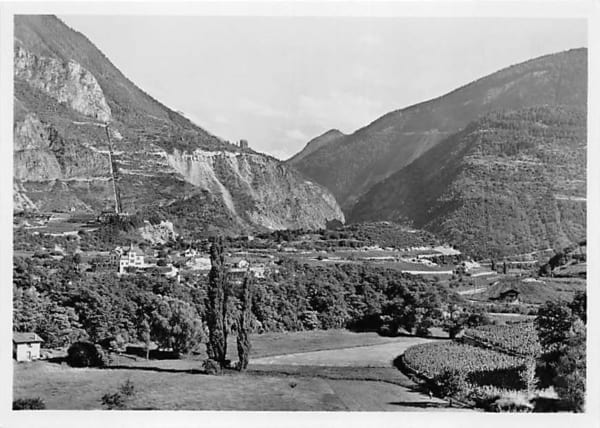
517, 338
480, 366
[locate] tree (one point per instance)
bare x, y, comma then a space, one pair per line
145, 334
449, 382
85, 354
570, 369
218, 293
561, 329
175, 324
579, 306
553, 322
243, 325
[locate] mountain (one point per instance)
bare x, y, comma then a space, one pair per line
351, 165
65, 157
509, 183
315, 144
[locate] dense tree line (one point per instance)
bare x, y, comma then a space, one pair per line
62, 304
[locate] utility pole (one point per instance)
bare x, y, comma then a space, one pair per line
118, 208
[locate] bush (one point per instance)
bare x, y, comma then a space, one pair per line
449, 382
29, 404
113, 401
212, 367
86, 354
119, 399
512, 402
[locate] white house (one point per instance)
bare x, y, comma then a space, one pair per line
133, 257
26, 346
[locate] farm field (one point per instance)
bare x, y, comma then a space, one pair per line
535, 291
360, 356
328, 380
520, 338
480, 366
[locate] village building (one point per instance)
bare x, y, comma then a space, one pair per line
131, 257
198, 263
510, 296
26, 346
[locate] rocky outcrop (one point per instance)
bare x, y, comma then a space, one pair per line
158, 233
33, 157
258, 190
42, 154
66, 82
20, 199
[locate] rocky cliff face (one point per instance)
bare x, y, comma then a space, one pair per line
66, 82
65, 92
257, 189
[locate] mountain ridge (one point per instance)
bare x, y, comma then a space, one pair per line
395, 139
316, 143
67, 90
510, 182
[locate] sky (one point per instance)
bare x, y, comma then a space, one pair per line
280, 81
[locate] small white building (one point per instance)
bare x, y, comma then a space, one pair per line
26, 346
132, 257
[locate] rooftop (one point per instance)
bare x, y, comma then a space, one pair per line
27, 337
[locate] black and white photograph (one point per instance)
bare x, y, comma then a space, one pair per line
276, 208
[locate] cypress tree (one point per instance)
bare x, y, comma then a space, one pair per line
243, 325
216, 346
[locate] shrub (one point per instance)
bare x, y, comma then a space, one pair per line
127, 389
449, 382
212, 367
113, 401
514, 401
119, 399
29, 404
310, 320
86, 354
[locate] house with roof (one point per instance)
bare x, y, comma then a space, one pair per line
26, 346
131, 257
508, 296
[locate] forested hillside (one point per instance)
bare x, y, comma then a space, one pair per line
508, 183
351, 165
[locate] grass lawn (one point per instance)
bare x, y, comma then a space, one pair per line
323, 370
261, 388
69, 388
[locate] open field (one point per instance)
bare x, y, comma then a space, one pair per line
360, 356
535, 291
69, 388
309, 378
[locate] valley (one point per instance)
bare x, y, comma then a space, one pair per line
434, 259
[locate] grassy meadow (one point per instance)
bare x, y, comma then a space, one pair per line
319, 370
